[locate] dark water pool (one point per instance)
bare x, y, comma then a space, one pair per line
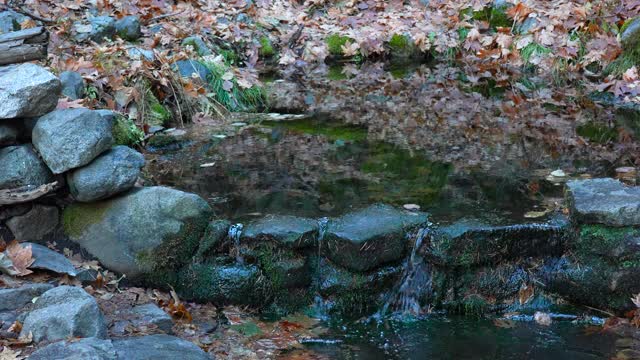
460, 338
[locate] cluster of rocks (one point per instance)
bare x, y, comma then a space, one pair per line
53, 315
43, 146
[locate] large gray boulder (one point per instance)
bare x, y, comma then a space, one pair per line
368, 238
27, 90
603, 201
153, 347
285, 230
68, 139
16, 298
21, 166
141, 232
35, 224
64, 312
83, 349
111, 173
630, 37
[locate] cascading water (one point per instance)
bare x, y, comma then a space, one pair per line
414, 284
235, 231
319, 303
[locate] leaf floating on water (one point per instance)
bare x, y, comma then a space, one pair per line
504, 323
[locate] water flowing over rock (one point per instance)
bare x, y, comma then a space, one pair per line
157, 228
368, 238
111, 173
21, 166
28, 90
64, 312
289, 231
604, 201
68, 139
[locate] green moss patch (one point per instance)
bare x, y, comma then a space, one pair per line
266, 47
126, 132
78, 217
335, 42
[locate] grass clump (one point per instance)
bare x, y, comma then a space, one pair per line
533, 49
335, 43
126, 132
622, 63
234, 98
266, 47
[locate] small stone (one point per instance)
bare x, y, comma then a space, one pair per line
17, 298
47, 259
35, 224
64, 312
128, 28
111, 173
102, 27
71, 138
28, 90
73, 85
152, 314
191, 69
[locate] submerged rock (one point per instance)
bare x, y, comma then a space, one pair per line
64, 312
370, 237
604, 201
83, 349
35, 224
468, 242
16, 298
157, 228
21, 166
158, 347
223, 283
72, 138
28, 90
285, 230
111, 173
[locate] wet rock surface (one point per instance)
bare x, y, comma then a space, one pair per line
68, 139
365, 239
29, 90
289, 231
111, 173
64, 312
158, 228
604, 201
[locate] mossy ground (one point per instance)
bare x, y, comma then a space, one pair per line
126, 132
266, 47
335, 42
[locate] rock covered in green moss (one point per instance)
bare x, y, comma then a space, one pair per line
266, 47
603, 201
215, 233
126, 132
401, 46
285, 230
198, 45
284, 268
223, 283
470, 243
142, 232
365, 239
630, 34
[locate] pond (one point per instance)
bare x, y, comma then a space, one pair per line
424, 139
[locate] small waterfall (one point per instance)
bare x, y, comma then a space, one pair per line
323, 224
414, 284
235, 231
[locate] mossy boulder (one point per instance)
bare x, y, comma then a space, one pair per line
224, 282
630, 34
370, 237
145, 231
472, 243
214, 235
284, 230
284, 268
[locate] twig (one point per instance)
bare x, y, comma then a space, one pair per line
22, 11
602, 311
163, 16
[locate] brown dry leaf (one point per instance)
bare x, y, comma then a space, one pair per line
504, 323
21, 257
525, 293
16, 327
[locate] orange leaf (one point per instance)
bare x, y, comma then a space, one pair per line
21, 257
